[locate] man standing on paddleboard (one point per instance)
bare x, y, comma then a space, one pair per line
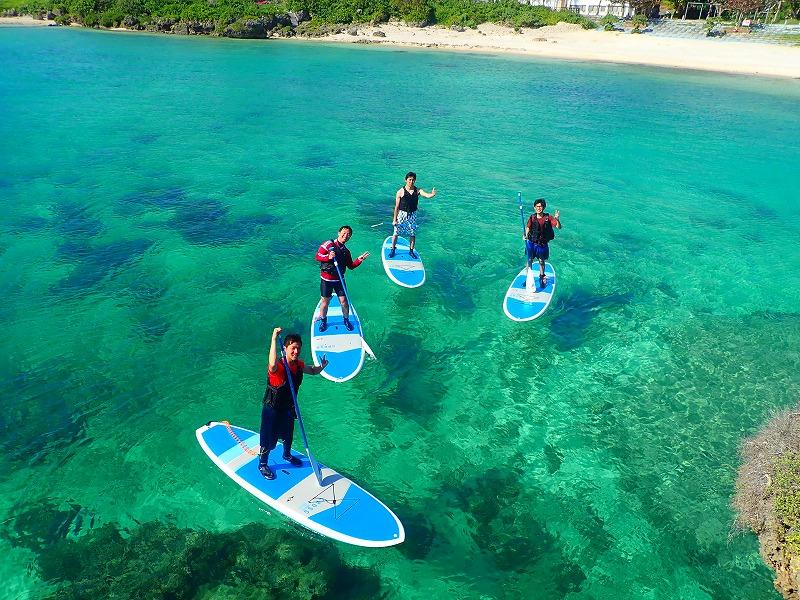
404, 218
327, 253
538, 233
278, 414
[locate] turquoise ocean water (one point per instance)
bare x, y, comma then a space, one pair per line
162, 200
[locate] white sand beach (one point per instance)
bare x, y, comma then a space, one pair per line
571, 42
25, 21
567, 41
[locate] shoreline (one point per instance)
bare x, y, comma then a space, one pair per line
564, 42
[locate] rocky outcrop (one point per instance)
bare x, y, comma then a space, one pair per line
767, 499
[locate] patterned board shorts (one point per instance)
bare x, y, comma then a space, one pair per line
406, 223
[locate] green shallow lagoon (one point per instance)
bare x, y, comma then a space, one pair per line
163, 199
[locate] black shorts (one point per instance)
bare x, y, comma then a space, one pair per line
328, 288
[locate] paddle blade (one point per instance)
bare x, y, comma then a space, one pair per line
367, 349
529, 279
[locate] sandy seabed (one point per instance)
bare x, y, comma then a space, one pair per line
568, 41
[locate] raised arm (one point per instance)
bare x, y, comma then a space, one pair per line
430, 194
273, 355
558, 222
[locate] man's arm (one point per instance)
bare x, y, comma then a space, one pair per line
325, 253
273, 355
527, 229
316, 370
397, 197
558, 222
426, 194
354, 263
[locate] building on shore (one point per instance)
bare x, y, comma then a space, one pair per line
588, 8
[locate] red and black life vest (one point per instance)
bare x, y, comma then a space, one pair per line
540, 231
280, 397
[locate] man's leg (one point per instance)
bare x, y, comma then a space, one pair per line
345, 312
411, 241
287, 443
265, 440
323, 308
394, 243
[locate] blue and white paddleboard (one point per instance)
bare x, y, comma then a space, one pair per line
402, 268
338, 509
523, 304
344, 349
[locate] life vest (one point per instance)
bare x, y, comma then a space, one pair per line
280, 397
341, 258
540, 232
409, 201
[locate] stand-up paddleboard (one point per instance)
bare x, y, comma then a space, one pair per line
344, 349
338, 508
523, 304
402, 268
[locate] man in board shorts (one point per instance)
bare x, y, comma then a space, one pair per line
404, 218
330, 284
277, 412
538, 233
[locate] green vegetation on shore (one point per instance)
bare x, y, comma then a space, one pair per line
767, 499
223, 13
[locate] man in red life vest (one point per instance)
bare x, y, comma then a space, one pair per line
328, 251
538, 233
277, 413
404, 217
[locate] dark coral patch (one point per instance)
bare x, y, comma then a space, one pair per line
160, 560
577, 311
96, 262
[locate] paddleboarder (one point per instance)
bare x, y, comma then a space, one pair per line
404, 218
328, 252
538, 233
278, 413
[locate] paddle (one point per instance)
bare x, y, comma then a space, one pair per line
529, 273
367, 349
285, 360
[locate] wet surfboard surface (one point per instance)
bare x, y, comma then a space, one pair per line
402, 268
339, 508
344, 349
523, 304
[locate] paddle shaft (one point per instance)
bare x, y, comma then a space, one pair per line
314, 464
350, 304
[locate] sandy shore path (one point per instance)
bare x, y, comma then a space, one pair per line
567, 41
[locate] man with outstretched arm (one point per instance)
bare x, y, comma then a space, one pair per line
404, 218
538, 233
328, 252
277, 413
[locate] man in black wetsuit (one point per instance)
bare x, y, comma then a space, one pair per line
405, 212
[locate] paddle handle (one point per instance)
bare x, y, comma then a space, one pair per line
522, 219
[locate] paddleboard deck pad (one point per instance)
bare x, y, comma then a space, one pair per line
402, 268
344, 349
339, 509
523, 304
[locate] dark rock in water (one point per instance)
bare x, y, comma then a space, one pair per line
257, 29
378, 34
295, 18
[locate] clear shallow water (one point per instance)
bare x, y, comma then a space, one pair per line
163, 199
